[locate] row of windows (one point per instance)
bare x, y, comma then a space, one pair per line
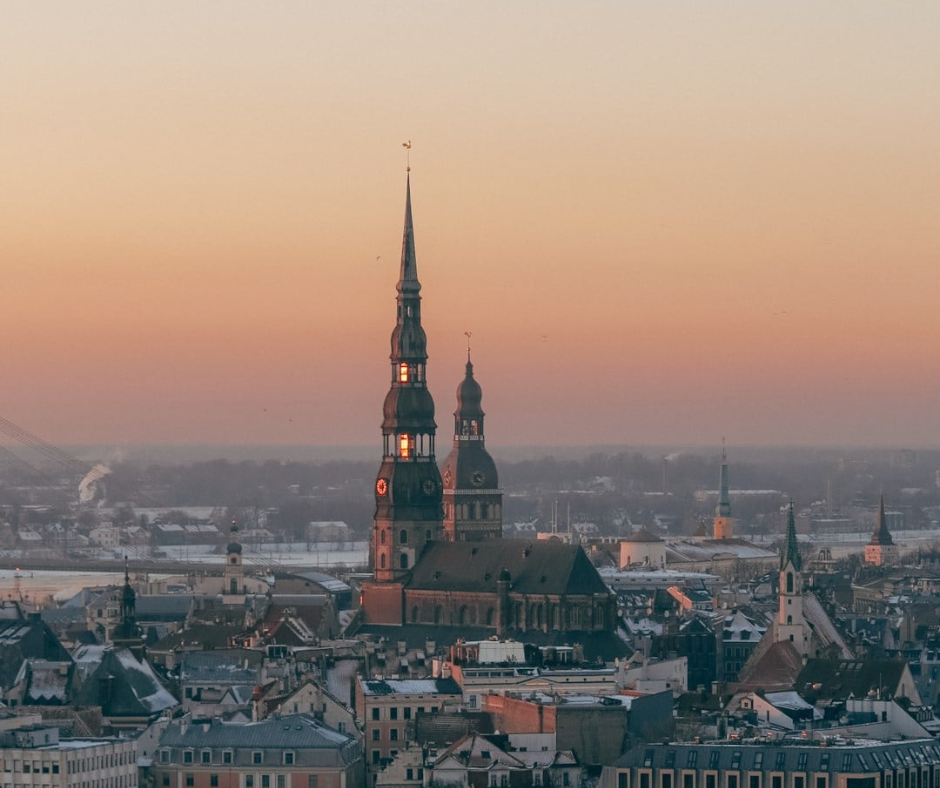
392, 734
393, 712
925, 777
125, 781
280, 780
228, 756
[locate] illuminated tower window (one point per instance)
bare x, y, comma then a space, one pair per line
406, 445
403, 373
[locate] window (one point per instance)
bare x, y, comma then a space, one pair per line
407, 712
781, 761
166, 780
375, 714
214, 780
688, 781
206, 756
622, 780
282, 781
188, 756
648, 758
257, 757
645, 780
311, 781
821, 781
846, 761
799, 781
393, 734
190, 779
710, 780
249, 781
409, 774
693, 759
341, 727
732, 781
227, 756
565, 778
375, 756
758, 760
754, 781
801, 762
375, 734
393, 713
713, 759
265, 781
288, 759
736, 759
164, 756
776, 781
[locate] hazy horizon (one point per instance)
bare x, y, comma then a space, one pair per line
662, 223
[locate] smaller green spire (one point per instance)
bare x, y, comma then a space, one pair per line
791, 549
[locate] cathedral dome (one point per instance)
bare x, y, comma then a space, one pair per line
469, 396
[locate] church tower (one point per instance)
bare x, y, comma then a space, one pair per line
234, 574
790, 624
408, 507
723, 523
473, 504
127, 633
881, 549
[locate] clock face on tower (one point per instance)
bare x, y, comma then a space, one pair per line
429, 487
478, 478
381, 487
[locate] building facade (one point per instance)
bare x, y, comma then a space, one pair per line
293, 751
906, 764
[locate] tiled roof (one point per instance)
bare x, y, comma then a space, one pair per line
539, 567
841, 678
411, 687
294, 731
859, 757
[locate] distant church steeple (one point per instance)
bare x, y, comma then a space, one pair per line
723, 522
127, 633
408, 508
473, 502
791, 624
881, 549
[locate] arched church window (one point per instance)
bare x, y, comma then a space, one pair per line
403, 560
382, 537
403, 536
789, 582
789, 619
382, 561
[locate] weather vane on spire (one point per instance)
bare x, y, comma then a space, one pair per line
468, 334
407, 147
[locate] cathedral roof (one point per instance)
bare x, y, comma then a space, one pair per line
881, 533
541, 567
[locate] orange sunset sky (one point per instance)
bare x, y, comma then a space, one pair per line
663, 222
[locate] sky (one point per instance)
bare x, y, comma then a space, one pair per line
662, 222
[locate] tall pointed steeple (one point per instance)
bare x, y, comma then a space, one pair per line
408, 509
881, 548
408, 275
790, 624
723, 523
791, 548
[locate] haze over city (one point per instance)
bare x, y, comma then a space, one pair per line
662, 223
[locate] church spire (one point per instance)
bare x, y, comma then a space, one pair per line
791, 549
723, 524
881, 534
408, 276
408, 509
